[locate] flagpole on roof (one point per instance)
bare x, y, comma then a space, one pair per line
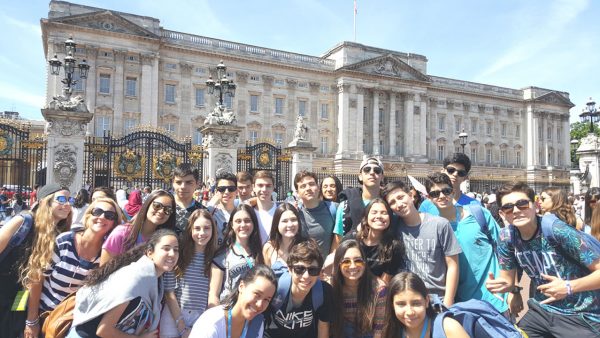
355, 10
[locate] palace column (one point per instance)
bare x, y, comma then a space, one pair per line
343, 121
392, 137
90, 85
422, 141
408, 124
118, 96
147, 91
360, 122
375, 149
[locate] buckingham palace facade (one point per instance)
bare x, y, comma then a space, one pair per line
356, 99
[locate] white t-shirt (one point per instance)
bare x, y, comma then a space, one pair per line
265, 218
212, 324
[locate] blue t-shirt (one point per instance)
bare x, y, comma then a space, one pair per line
430, 208
477, 259
537, 256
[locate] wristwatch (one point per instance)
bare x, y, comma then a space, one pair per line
516, 289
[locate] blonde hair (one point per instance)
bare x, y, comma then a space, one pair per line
45, 232
88, 212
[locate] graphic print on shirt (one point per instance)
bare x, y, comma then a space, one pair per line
536, 263
418, 252
294, 320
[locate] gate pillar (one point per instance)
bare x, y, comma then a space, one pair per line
220, 142
302, 157
66, 131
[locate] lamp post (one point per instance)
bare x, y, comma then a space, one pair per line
463, 140
222, 86
69, 68
590, 112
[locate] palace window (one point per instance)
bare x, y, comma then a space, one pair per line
197, 137
279, 138
324, 110
457, 124
518, 158
488, 156
228, 101
488, 128
441, 152
253, 136
102, 125
324, 146
199, 97
518, 130
79, 85
104, 84
171, 127
278, 106
131, 86
474, 126
170, 66
549, 133
381, 117
302, 107
558, 133
503, 129
129, 124
169, 93
279, 83
474, 155
441, 122
254, 103
503, 157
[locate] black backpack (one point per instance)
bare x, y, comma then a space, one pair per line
354, 209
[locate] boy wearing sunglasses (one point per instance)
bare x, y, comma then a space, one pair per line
186, 180
478, 258
457, 167
302, 306
565, 272
225, 196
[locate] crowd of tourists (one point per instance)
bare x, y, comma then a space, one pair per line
227, 259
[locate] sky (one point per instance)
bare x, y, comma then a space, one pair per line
552, 44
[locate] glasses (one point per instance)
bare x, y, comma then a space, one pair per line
157, 206
346, 263
109, 215
223, 188
593, 201
452, 170
436, 193
62, 200
508, 208
301, 269
376, 170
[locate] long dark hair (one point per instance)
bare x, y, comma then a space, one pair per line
594, 193
102, 273
389, 241
254, 242
402, 282
82, 198
365, 298
142, 215
247, 278
188, 244
338, 187
560, 205
275, 237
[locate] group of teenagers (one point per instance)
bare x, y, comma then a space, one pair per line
370, 261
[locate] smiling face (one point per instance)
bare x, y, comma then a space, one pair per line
514, 215
288, 224
410, 308
455, 178
401, 202
227, 196
60, 211
352, 266
329, 189
369, 177
304, 282
202, 232
443, 195
254, 297
263, 188
165, 254
242, 225
308, 190
378, 217
157, 214
101, 224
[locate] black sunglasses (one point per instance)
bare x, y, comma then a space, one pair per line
452, 170
508, 208
109, 215
157, 206
301, 269
436, 193
223, 188
376, 170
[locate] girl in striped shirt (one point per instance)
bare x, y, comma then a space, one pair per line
186, 288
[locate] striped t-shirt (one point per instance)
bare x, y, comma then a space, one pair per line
66, 272
192, 289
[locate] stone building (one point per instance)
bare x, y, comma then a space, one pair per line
356, 99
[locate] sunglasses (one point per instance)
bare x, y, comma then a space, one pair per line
109, 215
157, 206
346, 263
230, 188
508, 208
436, 193
376, 170
62, 200
452, 170
301, 269
593, 201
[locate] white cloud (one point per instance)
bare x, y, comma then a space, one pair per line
10, 93
23, 26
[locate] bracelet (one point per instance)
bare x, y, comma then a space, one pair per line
31, 323
180, 318
569, 289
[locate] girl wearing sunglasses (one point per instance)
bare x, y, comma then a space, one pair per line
157, 212
358, 295
186, 288
240, 251
383, 250
555, 200
293, 312
22, 265
285, 232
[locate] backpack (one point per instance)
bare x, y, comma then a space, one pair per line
19, 236
479, 319
283, 289
477, 212
548, 221
354, 208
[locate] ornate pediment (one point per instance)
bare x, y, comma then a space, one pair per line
554, 98
106, 21
388, 65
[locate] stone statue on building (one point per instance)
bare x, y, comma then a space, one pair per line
68, 103
301, 129
221, 116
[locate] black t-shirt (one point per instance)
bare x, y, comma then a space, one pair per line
300, 322
88, 329
378, 268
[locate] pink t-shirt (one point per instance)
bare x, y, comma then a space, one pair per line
115, 243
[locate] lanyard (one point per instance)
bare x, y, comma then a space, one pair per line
245, 254
243, 335
424, 330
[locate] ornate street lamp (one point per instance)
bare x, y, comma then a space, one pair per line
591, 113
222, 86
69, 66
463, 140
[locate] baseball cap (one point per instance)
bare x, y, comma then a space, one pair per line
370, 160
48, 190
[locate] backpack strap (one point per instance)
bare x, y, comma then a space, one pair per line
255, 325
547, 225
283, 289
332, 209
477, 212
317, 295
437, 330
19, 236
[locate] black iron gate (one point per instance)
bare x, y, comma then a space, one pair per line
22, 157
142, 158
266, 156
